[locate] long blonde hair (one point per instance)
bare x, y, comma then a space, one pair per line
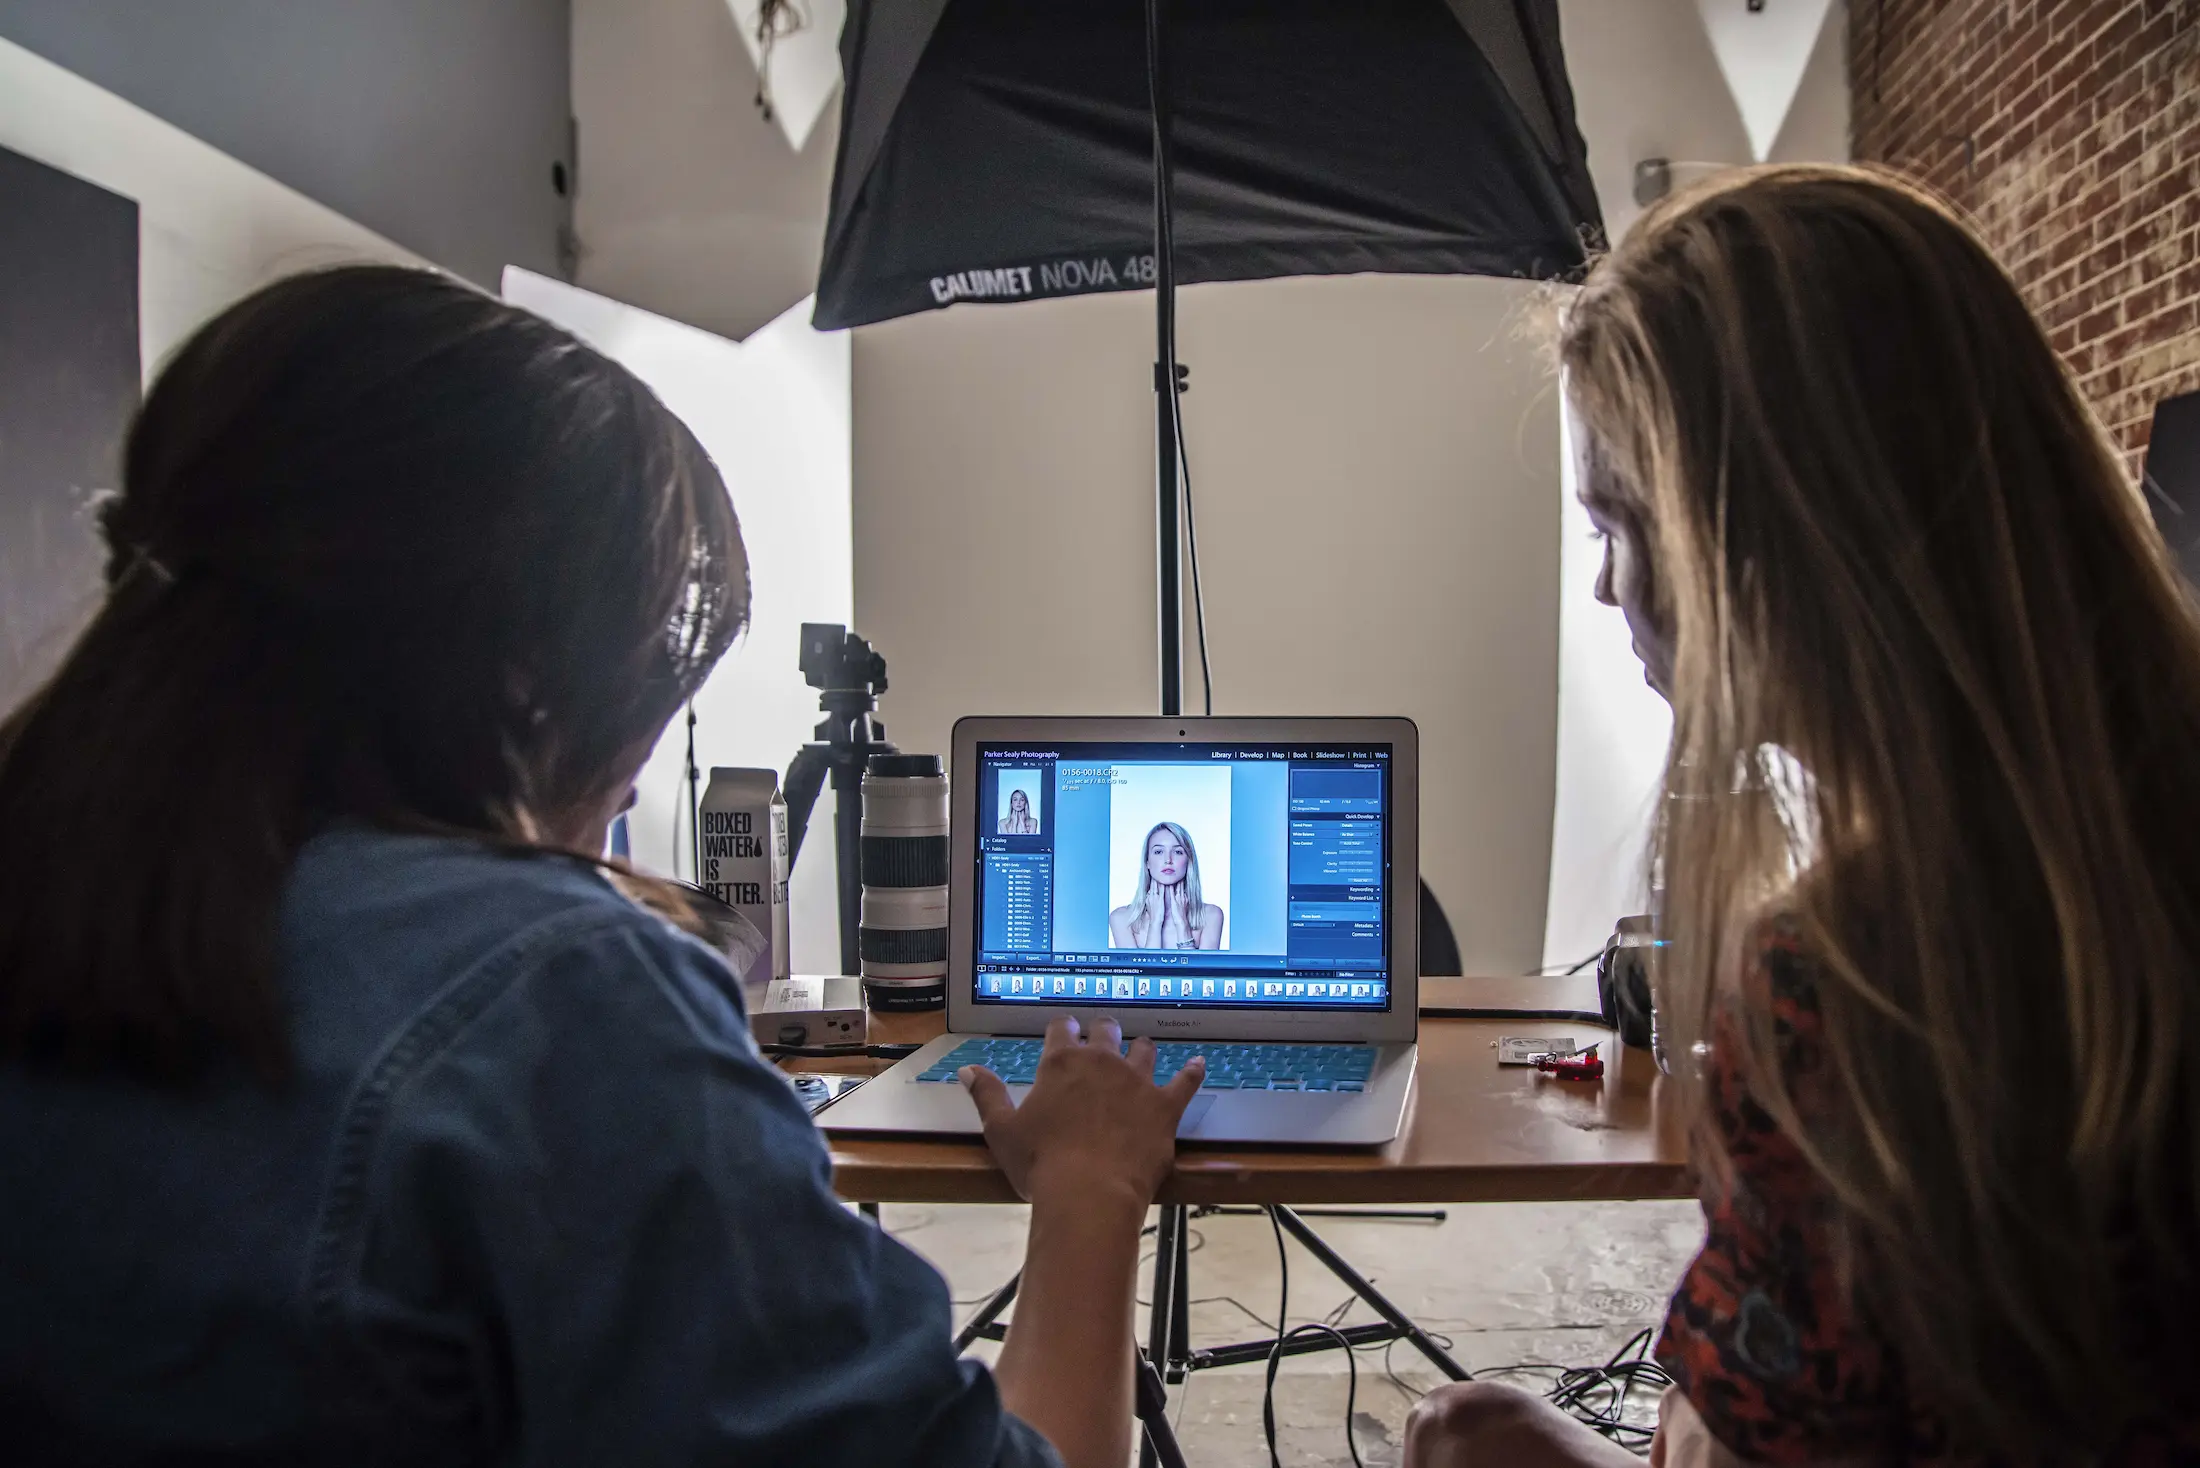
1149, 903
1896, 551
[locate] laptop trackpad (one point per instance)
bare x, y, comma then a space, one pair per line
1188, 1124
1193, 1113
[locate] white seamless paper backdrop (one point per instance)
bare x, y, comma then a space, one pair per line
773, 411
1612, 736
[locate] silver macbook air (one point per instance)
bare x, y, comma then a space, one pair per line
1242, 889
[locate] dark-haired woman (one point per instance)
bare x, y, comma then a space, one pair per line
347, 1113
1931, 850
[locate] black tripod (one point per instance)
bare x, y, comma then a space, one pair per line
849, 676
1169, 1346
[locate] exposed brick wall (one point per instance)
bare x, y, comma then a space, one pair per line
2069, 130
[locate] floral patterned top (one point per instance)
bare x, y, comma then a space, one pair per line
1762, 1336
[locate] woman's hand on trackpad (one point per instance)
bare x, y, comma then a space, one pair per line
1093, 1121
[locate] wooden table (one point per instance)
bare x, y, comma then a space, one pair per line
1474, 1132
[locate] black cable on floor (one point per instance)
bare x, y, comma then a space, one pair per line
1283, 1315
1275, 1358
1597, 1396
1351, 1389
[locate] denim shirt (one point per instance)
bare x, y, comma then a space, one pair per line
531, 1198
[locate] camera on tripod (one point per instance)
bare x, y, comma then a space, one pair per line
842, 664
889, 825
849, 675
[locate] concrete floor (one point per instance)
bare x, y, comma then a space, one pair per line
1551, 1284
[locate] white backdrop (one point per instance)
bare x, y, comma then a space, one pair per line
774, 413
1612, 736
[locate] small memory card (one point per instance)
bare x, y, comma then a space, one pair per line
1512, 1050
816, 1092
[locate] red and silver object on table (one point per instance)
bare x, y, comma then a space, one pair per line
1582, 1065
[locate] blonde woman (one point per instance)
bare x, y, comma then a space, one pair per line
1019, 821
1939, 1042
1168, 911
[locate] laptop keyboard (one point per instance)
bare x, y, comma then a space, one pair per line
1230, 1067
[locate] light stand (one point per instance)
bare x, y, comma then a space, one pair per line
1167, 376
1168, 1347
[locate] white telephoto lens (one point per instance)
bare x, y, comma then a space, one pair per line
903, 928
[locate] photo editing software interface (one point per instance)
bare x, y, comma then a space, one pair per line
1183, 875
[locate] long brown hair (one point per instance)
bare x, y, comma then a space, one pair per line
386, 550
1900, 560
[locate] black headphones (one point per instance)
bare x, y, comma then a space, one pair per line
1623, 981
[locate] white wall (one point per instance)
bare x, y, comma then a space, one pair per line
1817, 125
1646, 85
210, 228
1375, 465
689, 203
773, 413
431, 122
1763, 53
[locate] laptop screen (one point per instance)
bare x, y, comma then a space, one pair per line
1199, 876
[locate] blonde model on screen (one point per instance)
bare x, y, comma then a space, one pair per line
1019, 821
1167, 912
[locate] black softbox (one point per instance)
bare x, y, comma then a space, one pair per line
1001, 150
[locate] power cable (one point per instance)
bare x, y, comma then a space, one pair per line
1191, 535
1566, 969
691, 779
1598, 1396
1275, 1357
835, 1052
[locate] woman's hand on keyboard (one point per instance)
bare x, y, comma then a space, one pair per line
1089, 1148
1093, 1123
